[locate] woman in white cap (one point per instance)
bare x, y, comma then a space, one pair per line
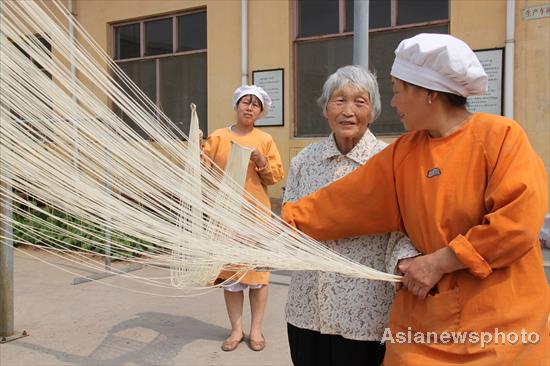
265, 168
471, 193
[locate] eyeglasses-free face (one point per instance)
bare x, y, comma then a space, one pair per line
348, 113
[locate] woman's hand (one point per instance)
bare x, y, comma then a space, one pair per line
401, 263
422, 273
201, 136
258, 158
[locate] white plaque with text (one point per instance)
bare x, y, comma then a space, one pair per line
272, 81
490, 102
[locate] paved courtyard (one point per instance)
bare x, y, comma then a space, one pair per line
111, 322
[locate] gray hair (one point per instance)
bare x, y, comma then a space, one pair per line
358, 78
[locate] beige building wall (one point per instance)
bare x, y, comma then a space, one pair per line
532, 79
269, 47
470, 20
481, 23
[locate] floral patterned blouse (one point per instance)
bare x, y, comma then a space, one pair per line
331, 303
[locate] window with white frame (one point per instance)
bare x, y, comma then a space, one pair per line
166, 58
324, 42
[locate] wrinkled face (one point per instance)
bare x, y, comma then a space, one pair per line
249, 109
409, 102
348, 112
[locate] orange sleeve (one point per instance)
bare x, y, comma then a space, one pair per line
362, 202
516, 201
211, 147
210, 153
272, 172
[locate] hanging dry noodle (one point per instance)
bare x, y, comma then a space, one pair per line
95, 182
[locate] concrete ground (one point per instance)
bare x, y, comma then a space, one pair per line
109, 322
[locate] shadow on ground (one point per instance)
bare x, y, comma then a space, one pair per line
149, 338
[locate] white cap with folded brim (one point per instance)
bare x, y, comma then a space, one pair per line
253, 90
439, 62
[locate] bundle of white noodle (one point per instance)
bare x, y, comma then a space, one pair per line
95, 183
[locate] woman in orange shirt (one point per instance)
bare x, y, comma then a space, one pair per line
471, 194
265, 168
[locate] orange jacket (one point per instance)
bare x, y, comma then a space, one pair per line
217, 148
482, 191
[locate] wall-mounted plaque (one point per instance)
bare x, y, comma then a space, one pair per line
491, 102
272, 81
536, 12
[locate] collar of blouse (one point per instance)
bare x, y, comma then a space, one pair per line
357, 154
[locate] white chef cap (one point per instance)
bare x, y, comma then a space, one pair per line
439, 62
253, 90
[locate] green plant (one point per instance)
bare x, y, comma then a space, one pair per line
37, 223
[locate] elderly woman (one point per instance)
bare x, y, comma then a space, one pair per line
334, 319
265, 168
471, 193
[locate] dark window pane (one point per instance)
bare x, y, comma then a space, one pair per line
349, 15
316, 61
158, 37
417, 11
143, 74
49, 54
192, 32
379, 14
20, 49
318, 17
127, 41
45, 43
48, 47
183, 81
382, 46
